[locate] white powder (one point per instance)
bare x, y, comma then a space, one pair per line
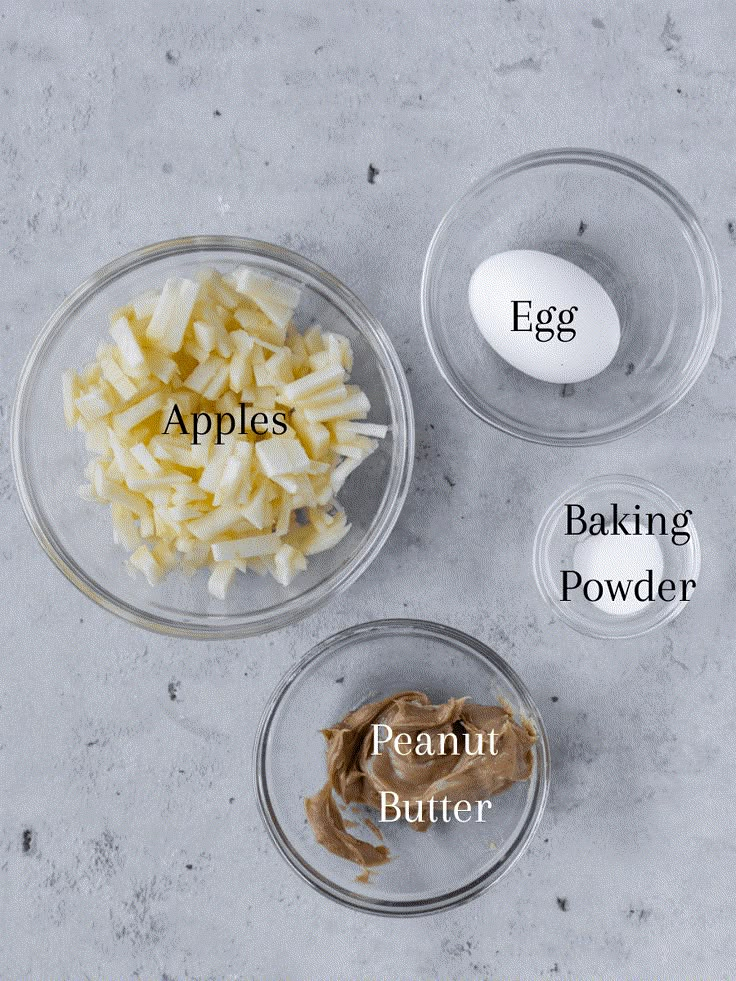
620, 558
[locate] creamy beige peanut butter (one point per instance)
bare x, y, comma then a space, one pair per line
489, 753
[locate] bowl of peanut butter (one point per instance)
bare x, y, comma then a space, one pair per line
401, 767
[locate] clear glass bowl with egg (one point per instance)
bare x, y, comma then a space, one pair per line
451, 862
555, 551
77, 535
624, 226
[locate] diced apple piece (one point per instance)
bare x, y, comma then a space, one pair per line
217, 521
277, 313
257, 509
218, 384
144, 305
90, 374
259, 356
221, 579
240, 372
228, 403
178, 514
313, 339
340, 350
234, 473
93, 405
341, 473
160, 366
131, 417
287, 562
261, 288
103, 489
160, 447
171, 316
144, 562
281, 455
242, 341
351, 408
70, 391
212, 473
211, 335
289, 484
121, 455
245, 548
299, 353
326, 396
321, 360
146, 459
352, 451
130, 350
148, 482
258, 325
96, 439
374, 429
265, 399
203, 374
275, 371
188, 494
216, 286
115, 376
313, 382
327, 536
165, 556
314, 436
196, 554
125, 528
146, 525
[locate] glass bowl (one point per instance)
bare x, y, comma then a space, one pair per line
631, 232
554, 551
448, 864
77, 535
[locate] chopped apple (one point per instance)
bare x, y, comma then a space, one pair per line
144, 305
281, 455
313, 382
246, 548
171, 316
144, 561
287, 562
130, 417
127, 342
70, 391
188, 496
93, 405
220, 579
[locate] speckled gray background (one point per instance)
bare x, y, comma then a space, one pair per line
130, 846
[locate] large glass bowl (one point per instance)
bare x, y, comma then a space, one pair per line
77, 535
631, 232
448, 864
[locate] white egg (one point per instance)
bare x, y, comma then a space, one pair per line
538, 281
620, 559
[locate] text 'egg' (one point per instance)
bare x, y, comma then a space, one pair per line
544, 315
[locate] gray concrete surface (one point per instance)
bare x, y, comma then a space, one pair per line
130, 846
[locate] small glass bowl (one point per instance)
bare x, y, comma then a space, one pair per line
631, 232
554, 551
77, 535
450, 863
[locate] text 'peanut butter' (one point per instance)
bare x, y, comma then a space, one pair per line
454, 753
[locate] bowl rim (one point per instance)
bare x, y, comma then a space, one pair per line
454, 897
627, 626
402, 449
701, 250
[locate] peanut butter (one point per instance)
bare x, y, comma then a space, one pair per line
457, 751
